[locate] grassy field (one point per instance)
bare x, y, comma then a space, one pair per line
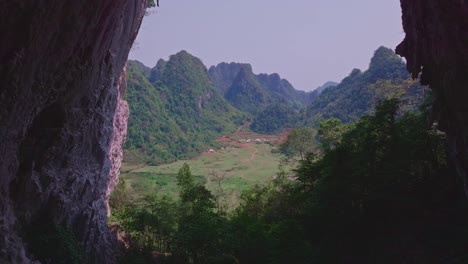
243, 164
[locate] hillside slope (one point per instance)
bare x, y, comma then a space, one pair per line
226, 77
359, 93
175, 112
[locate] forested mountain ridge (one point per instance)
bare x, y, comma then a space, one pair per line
223, 74
175, 110
246, 93
273, 86
358, 94
178, 108
156, 72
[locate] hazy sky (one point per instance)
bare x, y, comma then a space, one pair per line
307, 42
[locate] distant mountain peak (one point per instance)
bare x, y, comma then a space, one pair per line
145, 71
177, 113
386, 64
360, 91
237, 65
157, 71
183, 52
223, 74
384, 55
325, 85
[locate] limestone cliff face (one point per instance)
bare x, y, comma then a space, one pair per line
118, 138
62, 117
436, 44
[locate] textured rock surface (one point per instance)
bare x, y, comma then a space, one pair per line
59, 131
436, 44
119, 136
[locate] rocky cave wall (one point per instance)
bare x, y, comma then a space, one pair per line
436, 46
62, 117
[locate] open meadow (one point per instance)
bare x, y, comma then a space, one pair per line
243, 160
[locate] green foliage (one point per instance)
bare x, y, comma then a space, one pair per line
197, 235
384, 187
384, 167
119, 198
178, 114
244, 168
359, 93
274, 119
229, 76
298, 143
283, 91
246, 93
380, 191
330, 133
150, 223
266, 229
188, 228
184, 177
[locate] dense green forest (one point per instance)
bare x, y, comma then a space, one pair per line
228, 77
179, 107
358, 94
370, 181
274, 119
175, 112
379, 191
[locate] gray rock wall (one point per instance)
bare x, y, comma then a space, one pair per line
62, 117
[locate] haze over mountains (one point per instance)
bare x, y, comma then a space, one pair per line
179, 107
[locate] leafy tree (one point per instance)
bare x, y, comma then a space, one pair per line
330, 133
119, 198
199, 236
185, 180
298, 143
364, 196
220, 195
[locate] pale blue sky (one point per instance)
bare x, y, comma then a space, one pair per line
307, 42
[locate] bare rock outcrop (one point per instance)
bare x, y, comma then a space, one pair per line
436, 45
62, 118
119, 135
